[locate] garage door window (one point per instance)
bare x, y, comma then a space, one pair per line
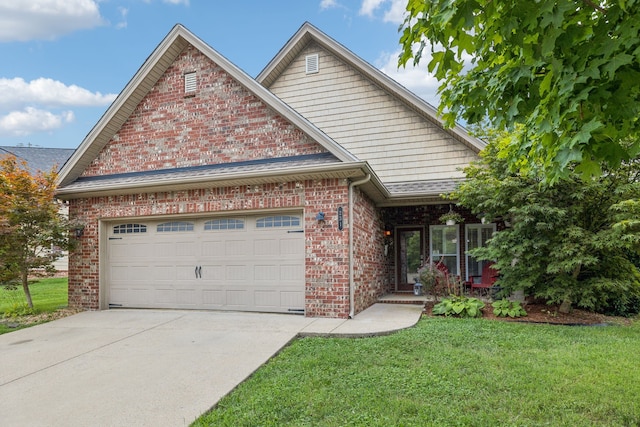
278, 221
129, 228
224, 224
175, 226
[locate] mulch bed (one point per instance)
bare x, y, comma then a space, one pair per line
16, 322
543, 313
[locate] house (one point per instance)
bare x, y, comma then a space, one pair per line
314, 188
39, 158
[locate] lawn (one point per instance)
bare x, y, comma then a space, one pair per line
48, 295
447, 372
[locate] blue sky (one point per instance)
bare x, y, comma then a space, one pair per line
64, 61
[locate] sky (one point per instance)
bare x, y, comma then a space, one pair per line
64, 61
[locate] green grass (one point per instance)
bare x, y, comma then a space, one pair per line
447, 372
48, 295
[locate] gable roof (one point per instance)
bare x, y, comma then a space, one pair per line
308, 34
144, 80
39, 158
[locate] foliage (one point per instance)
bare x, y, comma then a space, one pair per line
49, 295
32, 231
431, 278
566, 243
493, 373
451, 216
566, 71
504, 308
459, 305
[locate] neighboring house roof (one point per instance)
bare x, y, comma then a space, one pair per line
152, 69
39, 158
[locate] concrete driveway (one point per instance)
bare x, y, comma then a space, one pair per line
151, 367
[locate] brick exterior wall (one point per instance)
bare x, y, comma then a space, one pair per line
221, 122
371, 267
326, 252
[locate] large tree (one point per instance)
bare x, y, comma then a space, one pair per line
567, 71
32, 229
572, 243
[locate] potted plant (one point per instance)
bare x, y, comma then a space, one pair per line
451, 218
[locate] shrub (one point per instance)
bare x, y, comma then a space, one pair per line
461, 306
504, 308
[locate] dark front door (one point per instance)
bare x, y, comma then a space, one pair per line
410, 252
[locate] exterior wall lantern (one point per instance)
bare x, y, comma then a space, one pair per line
78, 231
320, 217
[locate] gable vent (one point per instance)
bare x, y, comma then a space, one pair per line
190, 82
312, 63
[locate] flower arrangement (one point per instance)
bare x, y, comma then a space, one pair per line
451, 218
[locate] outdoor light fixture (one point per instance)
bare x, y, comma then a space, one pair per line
320, 217
78, 231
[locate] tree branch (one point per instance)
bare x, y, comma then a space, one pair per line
595, 6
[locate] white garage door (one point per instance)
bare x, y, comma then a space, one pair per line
231, 263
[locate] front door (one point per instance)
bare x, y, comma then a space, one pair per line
410, 244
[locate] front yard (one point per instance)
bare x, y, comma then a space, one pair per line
49, 299
448, 372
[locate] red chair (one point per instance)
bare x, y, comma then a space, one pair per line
485, 282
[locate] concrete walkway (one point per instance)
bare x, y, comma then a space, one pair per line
152, 367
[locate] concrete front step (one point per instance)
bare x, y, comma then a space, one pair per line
404, 298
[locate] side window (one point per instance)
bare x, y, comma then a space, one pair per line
129, 228
278, 221
224, 224
444, 246
168, 227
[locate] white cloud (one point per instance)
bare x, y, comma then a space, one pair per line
30, 120
416, 79
328, 4
24, 105
123, 14
46, 19
17, 93
184, 2
393, 9
368, 7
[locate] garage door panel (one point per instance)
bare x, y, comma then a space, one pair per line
186, 297
267, 299
213, 248
265, 273
213, 297
234, 273
290, 246
237, 298
163, 273
293, 299
165, 296
293, 272
130, 250
237, 248
228, 264
265, 247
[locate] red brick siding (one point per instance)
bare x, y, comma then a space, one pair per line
371, 268
326, 251
223, 122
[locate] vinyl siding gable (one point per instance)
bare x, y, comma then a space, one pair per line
368, 121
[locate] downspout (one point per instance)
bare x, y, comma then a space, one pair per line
352, 291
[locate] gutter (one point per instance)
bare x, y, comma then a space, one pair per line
351, 260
